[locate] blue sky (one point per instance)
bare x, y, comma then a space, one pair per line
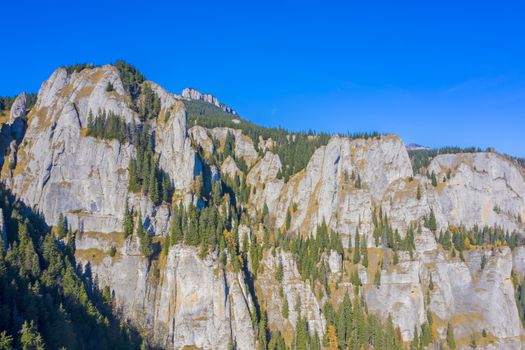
435, 72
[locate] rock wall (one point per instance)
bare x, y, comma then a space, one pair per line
326, 189
484, 189
182, 300
82, 177
187, 301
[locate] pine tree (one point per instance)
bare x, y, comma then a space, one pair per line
331, 338
285, 310
396, 258
377, 277
176, 225
433, 179
431, 222
62, 226
418, 194
6, 341
279, 272
146, 247
154, 185
451, 341
364, 251
357, 253
288, 220
358, 182
128, 221
30, 337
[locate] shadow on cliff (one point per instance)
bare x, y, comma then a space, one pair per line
41, 283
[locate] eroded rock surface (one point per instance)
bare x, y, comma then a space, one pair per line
187, 299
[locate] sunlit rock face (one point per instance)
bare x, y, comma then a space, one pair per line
187, 299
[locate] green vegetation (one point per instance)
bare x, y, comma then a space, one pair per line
461, 238
150, 106
78, 67
131, 78
209, 229
31, 100
146, 246
294, 149
519, 293
451, 340
128, 221
385, 235
45, 301
108, 126
144, 173
6, 102
309, 252
350, 327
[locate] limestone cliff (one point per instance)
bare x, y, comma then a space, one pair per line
184, 296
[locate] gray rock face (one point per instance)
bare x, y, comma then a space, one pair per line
201, 138
17, 117
325, 191
229, 168
192, 94
18, 109
183, 300
244, 147
294, 289
156, 219
176, 154
192, 302
86, 178
484, 189
60, 171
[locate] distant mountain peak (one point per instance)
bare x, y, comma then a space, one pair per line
415, 146
195, 95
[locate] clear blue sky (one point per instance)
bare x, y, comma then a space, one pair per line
435, 72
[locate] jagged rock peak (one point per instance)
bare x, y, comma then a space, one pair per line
195, 95
18, 109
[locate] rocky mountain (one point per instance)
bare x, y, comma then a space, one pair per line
204, 243
415, 147
195, 95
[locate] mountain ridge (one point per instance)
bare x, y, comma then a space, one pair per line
260, 235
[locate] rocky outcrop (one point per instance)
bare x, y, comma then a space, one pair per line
326, 189
484, 189
18, 108
17, 117
244, 147
192, 94
176, 154
181, 299
229, 168
188, 302
82, 177
156, 219
200, 136
294, 289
